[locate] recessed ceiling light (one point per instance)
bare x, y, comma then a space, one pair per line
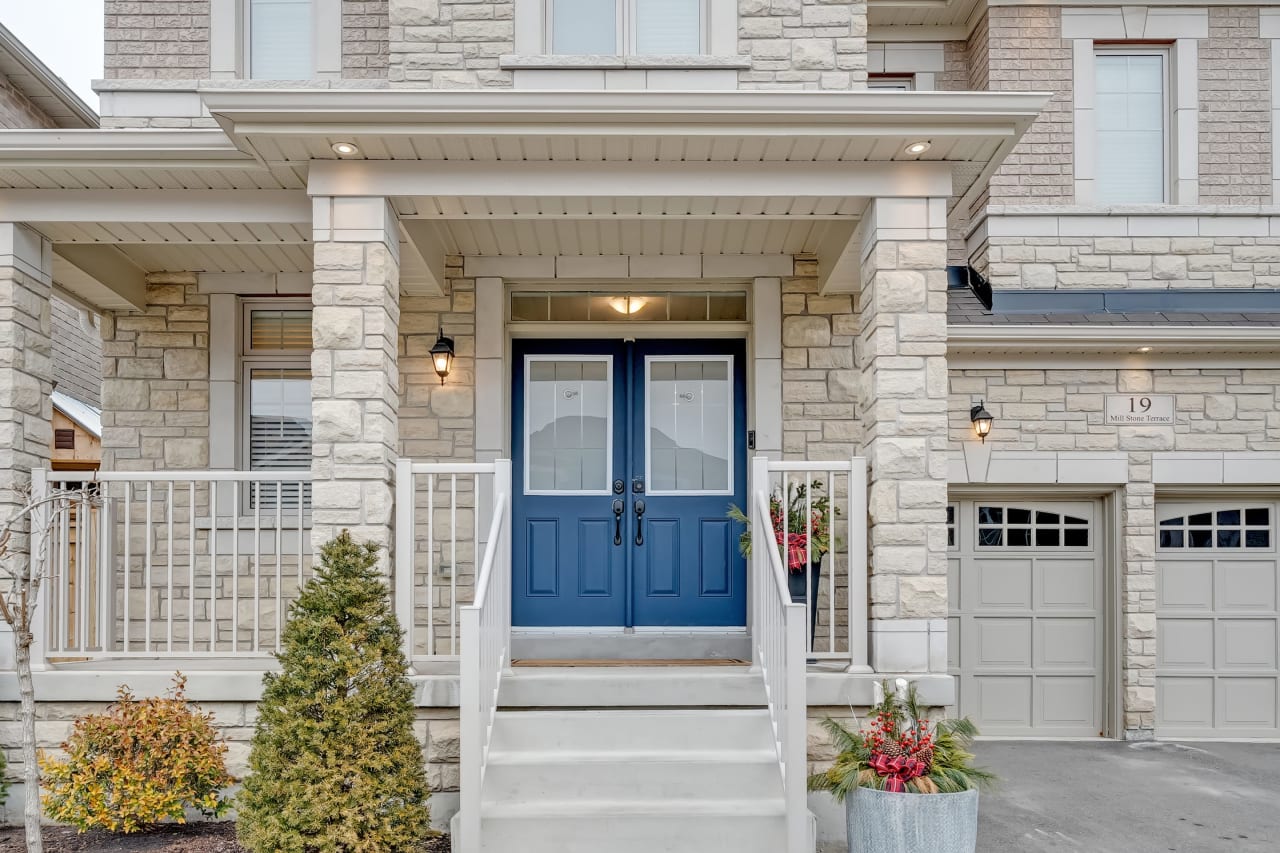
1144, 349
918, 147
345, 149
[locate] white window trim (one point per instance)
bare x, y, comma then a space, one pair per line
229, 39
921, 61
249, 359
533, 28
1182, 125
1269, 28
1168, 188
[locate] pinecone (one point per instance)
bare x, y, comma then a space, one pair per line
892, 749
925, 756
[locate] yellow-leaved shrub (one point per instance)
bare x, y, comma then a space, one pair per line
141, 762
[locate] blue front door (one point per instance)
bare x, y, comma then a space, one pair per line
626, 456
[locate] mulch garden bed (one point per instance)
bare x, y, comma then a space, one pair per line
170, 838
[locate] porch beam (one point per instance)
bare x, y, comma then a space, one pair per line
215, 206
110, 267
504, 179
424, 238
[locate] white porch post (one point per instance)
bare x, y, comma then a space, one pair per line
355, 370
26, 432
901, 346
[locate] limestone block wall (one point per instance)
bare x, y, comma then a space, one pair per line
450, 44
803, 44
1221, 260
162, 39
155, 386
1228, 409
1235, 109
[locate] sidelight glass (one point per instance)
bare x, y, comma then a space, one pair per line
568, 424
689, 425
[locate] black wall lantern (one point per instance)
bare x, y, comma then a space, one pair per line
442, 355
981, 419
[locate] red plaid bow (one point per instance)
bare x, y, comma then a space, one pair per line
797, 549
897, 771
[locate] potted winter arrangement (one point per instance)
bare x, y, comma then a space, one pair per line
803, 545
908, 784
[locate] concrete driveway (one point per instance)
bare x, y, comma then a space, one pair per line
1113, 797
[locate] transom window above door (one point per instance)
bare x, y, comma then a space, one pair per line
626, 27
628, 307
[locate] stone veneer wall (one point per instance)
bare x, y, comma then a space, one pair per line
803, 44
1235, 109
155, 386
1046, 263
166, 39
365, 46
1229, 409
17, 110
450, 44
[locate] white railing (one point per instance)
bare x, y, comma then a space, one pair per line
822, 570
486, 635
778, 650
171, 563
440, 507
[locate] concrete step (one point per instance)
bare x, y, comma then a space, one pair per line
659, 826
620, 777
632, 687
604, 731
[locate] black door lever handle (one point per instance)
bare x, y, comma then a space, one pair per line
617, 522
639, 522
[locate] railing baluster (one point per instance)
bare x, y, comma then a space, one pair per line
213, 567
453, 564
128, 559
279, 563
431, 564
255, 562
169, 568
146, 611
191, 566
235, 569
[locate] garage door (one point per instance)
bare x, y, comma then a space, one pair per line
1216, 619
1026, 628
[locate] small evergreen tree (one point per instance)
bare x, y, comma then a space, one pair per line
335, 766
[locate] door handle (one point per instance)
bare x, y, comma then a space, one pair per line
639, 522
617, 522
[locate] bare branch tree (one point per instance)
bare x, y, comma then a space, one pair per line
24, 548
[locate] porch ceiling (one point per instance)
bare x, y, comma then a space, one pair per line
937, 20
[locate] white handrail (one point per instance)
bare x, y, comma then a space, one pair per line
486, 637
778, 649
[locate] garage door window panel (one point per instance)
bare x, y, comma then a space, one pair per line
1024, 527
1232, 528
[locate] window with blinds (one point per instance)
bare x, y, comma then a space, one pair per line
280, 40
277, 358
636, 27
1131, 118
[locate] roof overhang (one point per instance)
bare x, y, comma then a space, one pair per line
25, 71
1146, 347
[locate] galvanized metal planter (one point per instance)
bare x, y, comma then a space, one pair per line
883, 822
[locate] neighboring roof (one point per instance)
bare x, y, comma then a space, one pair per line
45, 89
964, 309
82, 414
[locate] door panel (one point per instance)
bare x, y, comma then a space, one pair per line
628, 455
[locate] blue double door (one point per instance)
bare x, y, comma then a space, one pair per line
626, 456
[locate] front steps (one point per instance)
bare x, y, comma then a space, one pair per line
631, 780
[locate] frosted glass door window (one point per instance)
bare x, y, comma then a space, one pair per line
568, 425
689, 425
280, 39
584, 27
1130, 115
668, 26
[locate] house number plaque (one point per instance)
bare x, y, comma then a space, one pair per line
1139, 409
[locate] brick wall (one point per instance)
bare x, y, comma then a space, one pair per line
803, 44
365, 47
979, 58
1235, 109
1027, 53
155, 387
77, 354
17, 111
157, 39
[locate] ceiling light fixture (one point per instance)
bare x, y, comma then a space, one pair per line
345, 149
628, 305
1144, 349
918, 147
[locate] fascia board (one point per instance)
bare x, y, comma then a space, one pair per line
1113, 338
190, 148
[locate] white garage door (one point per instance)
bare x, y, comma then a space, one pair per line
1216, 619
1026, 628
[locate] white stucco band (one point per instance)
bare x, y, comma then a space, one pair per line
1252, 468
980, 463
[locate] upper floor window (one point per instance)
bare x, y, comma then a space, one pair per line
281, 40
1131, 115
626, 27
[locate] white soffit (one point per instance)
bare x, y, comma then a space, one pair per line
956, 16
